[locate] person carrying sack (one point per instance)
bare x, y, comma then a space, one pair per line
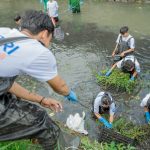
27, 52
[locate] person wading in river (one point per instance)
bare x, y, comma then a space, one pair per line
146, 104
74, 6
27, 52
125, 44
129, 64
102, 104
52, 9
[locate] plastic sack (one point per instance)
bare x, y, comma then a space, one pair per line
76, 123
24, 120
58, 33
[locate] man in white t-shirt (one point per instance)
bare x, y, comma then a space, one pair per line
125, 44
29, 55
52, 9
103, 103
129, 64
146, 105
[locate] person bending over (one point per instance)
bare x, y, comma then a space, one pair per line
102, 104
129, 64
146, 105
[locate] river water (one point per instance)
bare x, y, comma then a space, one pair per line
89, 38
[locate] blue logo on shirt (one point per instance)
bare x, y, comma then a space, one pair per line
7, 49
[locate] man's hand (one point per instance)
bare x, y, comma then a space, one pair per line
72, 96
132, 78
122, 54
147, 115
113, 54
52, 104
105, 122
108, 73
110, 126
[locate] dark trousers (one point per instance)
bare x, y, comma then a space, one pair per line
24, 120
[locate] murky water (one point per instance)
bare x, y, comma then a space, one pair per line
89, 39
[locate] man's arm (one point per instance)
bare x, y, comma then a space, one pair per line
98, 116
23, 93
132, 48
114, 51
146, 109
110, 70
127, 51
111, 118
135, 74
59, 85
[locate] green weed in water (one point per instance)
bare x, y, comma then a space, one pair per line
130, 130
19, 145
86, 144
117, 80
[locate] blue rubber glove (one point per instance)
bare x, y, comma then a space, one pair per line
110, 125
132, 78
105, 122
72, 96
108, 73
147, 115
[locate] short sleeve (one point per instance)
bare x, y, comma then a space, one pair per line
144, 101
43, 67
132, 43
112, 109
137, 66
97, 102
118, 38
56, 4
96, 105
119, 64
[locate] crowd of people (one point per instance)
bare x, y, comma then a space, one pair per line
125, 60
26, 50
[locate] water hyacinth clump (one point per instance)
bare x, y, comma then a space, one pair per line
117, 80
86, 144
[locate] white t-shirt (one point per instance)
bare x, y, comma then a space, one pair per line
131, 42
97, 103
133, 59
52, 8
26, 56
144, 101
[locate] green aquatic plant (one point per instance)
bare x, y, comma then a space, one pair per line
18, 145
86, 144
130, 130
117, 80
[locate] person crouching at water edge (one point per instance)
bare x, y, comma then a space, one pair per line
27, 52
102, 104
125, 45
129, 64
146, 104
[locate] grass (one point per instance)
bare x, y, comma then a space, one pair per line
117, 80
